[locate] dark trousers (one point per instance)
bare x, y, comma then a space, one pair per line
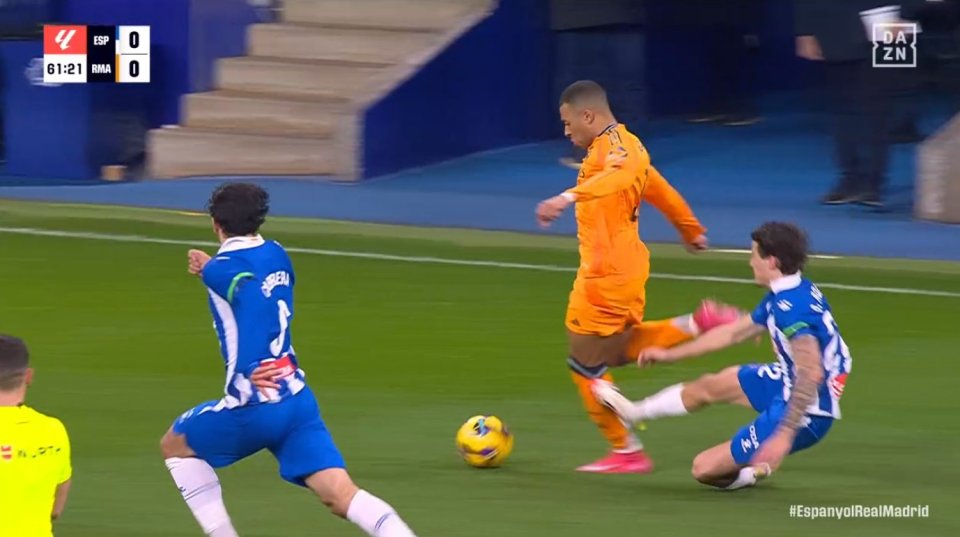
731, 61
861, 105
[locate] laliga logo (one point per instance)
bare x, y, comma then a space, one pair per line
64, 37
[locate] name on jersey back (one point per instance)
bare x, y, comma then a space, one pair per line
281, 277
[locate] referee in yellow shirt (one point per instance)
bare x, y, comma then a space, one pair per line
35, 465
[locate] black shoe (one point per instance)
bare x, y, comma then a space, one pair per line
705, 118
839, 197
906, 134
871, 200
740, 120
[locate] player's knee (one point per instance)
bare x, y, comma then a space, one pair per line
699, 392
341, 503
335, 489
702, 469
165, 446
173, 445
709, 389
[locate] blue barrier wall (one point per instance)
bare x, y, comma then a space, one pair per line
492, 88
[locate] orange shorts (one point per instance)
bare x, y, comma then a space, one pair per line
605, 306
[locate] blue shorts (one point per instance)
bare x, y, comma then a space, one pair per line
763, 386
292, 430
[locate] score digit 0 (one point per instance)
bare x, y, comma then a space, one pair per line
133, 49
133, 40
134, 69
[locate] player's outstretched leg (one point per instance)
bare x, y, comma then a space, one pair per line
198, 484
677, 400
373, 515
671, 332
590, 357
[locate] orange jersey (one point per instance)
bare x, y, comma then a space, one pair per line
615, 177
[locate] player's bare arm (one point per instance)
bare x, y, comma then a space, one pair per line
719, 338
60, 499
807, 357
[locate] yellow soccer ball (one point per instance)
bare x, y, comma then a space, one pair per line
484, 442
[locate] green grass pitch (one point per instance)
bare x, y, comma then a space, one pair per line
401, 353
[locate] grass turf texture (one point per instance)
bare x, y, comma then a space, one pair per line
400, 354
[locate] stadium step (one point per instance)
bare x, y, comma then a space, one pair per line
186, 152
288, 77
294, 105
224, 110
428, 15
307, 42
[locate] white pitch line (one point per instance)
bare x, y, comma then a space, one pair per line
747, 252
457, 262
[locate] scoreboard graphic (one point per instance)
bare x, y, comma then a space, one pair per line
79, 54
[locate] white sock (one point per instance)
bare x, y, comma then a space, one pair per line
633, 445
687, 324
376, 517
666, 402
200, 488
747, 478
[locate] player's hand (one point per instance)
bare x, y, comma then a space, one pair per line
265, 377
551, 209
196, 260
652, 355
773, 450
699, 244
808, 48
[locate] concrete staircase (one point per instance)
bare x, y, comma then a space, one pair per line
294, 105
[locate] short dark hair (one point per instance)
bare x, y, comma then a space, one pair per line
239, 208
581, 91
783, 241
14, 361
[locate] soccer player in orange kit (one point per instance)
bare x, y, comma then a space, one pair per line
604, 319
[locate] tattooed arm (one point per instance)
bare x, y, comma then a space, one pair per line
806, 356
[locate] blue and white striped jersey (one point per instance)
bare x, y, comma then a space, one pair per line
793, 307
250, 283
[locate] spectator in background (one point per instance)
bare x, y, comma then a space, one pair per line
731, 60
833, 32
35, 467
